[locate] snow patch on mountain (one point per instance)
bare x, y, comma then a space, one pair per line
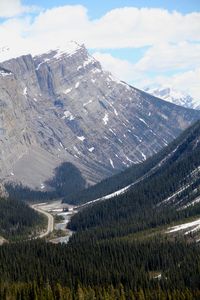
77, 85
67, 91
192, 226
68, 48
105, 119
111, 162
4, 73
81, 138
25, 91
174, 96
68, 115
91, 149
67, 96
86, 103
43, 62
90, 60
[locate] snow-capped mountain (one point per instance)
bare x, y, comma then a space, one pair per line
61, 106
174, 96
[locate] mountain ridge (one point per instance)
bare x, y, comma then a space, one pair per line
175, 96
126, 180
169, 194
64, 108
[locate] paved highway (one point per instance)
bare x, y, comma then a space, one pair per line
50, 226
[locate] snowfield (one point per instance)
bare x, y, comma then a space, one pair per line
188, 227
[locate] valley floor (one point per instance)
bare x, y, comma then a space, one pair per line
56, 232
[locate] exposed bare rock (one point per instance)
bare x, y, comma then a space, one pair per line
62, 107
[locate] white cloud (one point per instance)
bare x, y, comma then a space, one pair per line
187, 81
173, 38
47, 30
69, 23
133, 27
122, 69
119, 28
10, 8
165, 57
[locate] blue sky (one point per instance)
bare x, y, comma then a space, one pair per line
143, 42
98, 8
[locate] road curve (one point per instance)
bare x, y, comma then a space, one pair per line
50, 226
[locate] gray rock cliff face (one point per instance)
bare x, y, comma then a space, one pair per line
61, 106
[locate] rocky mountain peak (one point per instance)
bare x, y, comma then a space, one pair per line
172, 95
60, 106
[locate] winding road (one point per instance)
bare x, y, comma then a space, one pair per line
50, 226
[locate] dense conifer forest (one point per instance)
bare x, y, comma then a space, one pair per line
18, 220
107, 269
121, 249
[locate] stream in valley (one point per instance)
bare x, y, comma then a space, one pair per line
59, 209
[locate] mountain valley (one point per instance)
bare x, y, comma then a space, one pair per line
140, 243
99, 150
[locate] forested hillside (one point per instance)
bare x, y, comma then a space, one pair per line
18, 220
122, 248
180, 148
110, 269
144, 205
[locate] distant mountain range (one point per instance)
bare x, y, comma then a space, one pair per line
174, 96
61, 106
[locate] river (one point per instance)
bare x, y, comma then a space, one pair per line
57, 208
